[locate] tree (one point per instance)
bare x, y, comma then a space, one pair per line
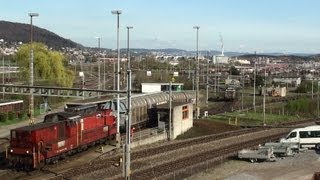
234, 71
48, 65
259, 80
306, 86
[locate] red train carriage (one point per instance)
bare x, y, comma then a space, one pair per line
60, 134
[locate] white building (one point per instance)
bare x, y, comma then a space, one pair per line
159, 87
182, 117
220, 60
292, 81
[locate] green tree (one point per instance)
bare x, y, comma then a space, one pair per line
49, 66
259, 80
306, 86
234, 71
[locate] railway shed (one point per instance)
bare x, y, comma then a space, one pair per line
11, 105
182, 117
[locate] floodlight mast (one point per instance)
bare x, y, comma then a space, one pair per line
31, 103
118, 12
197, 74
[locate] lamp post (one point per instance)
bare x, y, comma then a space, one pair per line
31, 120
264, 96
207, 82
99, 79
2, 42
104, 73
254, 87
128, 123
118, 12
318, 84
197, 74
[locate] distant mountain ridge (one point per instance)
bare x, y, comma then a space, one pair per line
178, 52
18, 32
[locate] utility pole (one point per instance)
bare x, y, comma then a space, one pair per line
128, 130
207, 83
254, 82
264, 96
170, 109
242, 90
197, 74
3, 71
31, 105
189, 68
99, 72
215, 78
312, 87
118, 12
128, 124
318, 99
104, 73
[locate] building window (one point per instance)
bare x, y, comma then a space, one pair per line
185, 112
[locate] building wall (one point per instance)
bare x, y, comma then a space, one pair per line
147, 88
181, 125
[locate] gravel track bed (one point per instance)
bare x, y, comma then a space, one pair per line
166, 168
154, 155
149, 163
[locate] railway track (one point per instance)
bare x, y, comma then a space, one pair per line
164, 155
164, 170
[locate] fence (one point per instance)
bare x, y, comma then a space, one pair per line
147, 136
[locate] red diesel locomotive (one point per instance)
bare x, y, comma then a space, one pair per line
59, 135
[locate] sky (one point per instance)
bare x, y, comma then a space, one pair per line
246, 25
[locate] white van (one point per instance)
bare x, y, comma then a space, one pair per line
306, 137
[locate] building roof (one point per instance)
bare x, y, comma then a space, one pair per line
174, 104
161, 84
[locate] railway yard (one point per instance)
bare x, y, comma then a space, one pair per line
207, 151
170, 160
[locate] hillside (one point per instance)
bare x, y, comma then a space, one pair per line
18, 32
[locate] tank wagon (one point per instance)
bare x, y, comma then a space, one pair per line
59, 135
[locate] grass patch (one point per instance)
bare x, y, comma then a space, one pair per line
9, 122
252, 118
16, 119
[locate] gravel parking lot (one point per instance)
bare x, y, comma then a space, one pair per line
300, 167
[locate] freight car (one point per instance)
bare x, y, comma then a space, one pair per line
59, 135
142, 106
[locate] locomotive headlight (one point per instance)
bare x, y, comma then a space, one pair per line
11, 150
27, 152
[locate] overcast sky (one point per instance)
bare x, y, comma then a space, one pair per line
245, 25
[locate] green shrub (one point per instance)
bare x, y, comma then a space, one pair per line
22, 115
12, 115
302, 105
3, 117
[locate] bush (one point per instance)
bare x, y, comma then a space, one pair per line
12, 115
302, 105
22, 115
3, 117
